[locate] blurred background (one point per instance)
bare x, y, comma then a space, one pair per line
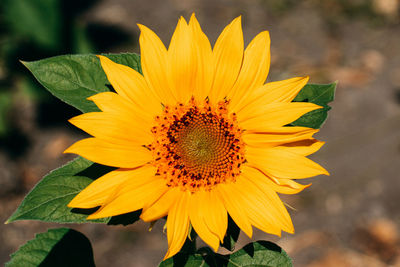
351, 218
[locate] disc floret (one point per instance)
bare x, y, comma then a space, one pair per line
197, 146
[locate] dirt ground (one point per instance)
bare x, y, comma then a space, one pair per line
350, 218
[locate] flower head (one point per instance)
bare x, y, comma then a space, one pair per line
198, 136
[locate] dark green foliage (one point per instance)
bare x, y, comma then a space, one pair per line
74, 78
49, 198
320, 94
260, 253
61, 247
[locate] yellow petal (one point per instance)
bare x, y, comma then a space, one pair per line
199, 216
254, 70
120, 129
117, 105
110, 154
284, 186
228, 195
218, 217
133, 197
263, 206
178, 224
274, 92
153, 56
205, 68
228, 56
100, 189
161, 207
282, 91
274, 115
278, 136
303, 147
182, 62
288, 186
131, 85
246, 196
282, 164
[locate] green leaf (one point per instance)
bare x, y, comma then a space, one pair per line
49, 198
36, 20
260, 253
73, 78
57, 247
320, 94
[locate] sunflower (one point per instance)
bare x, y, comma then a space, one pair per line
198, 136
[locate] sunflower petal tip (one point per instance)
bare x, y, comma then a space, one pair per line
90, 217
193, 20
68, 151
317, 106
168, 255
79, 202
142, 28
104, 61
94, 216
250, 234
290, 230
71, 204
238, 19
215, 248
182, 20
73, 120
265, 33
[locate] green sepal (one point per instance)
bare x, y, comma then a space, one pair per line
57, 247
